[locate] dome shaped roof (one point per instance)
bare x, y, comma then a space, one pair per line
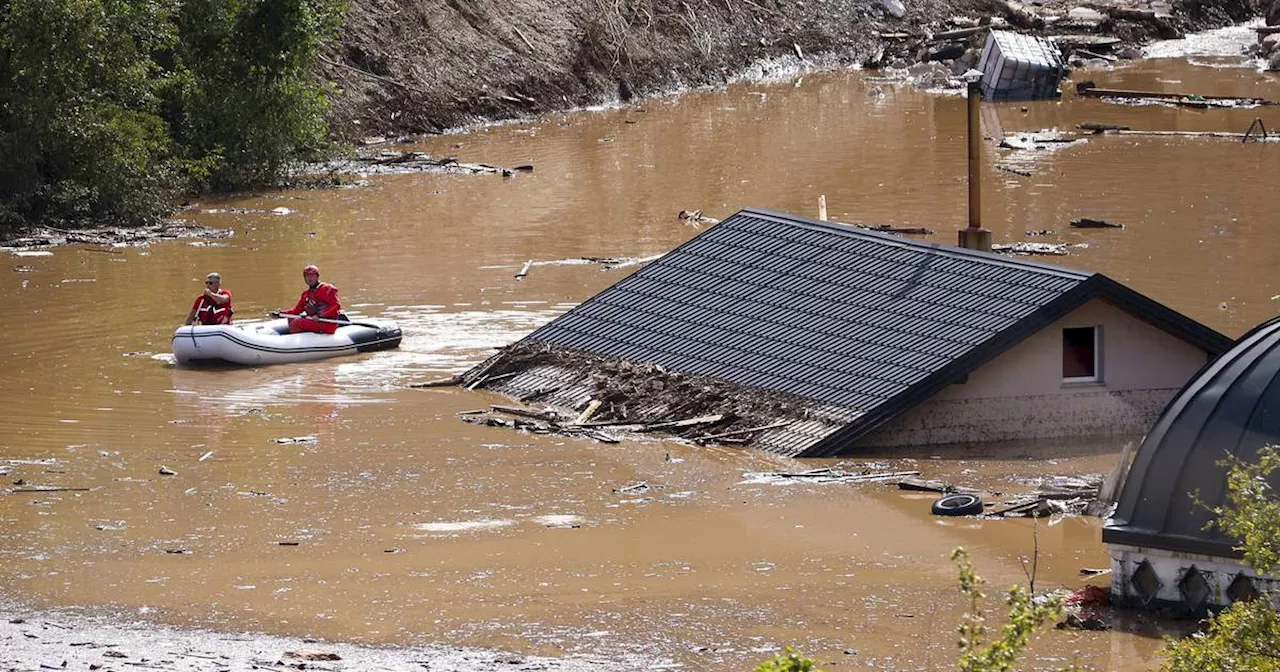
1230, 409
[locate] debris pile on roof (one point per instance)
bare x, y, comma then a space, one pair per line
638, 397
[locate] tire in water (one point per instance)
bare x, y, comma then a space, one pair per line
958, 505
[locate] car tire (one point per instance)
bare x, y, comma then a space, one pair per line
958, 505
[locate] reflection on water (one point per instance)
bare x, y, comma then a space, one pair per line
411, 526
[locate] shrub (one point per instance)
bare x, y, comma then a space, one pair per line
111, 108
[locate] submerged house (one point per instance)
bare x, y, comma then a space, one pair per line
1161, 553
837, 338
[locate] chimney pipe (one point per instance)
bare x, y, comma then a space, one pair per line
975, 237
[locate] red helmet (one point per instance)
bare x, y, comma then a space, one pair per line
311, 268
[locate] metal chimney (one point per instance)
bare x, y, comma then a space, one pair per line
975, 237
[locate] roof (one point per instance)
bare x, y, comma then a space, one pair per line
1230, 409
867, 323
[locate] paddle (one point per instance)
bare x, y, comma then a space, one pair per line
287, 316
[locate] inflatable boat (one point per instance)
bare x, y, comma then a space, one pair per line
260, 343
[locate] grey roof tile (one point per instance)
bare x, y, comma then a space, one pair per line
860, 322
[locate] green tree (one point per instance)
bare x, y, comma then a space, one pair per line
1246, 635
111, 108
79, 129
244, 98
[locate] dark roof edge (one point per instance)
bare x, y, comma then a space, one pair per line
937, 248
1166, 542
953, 372
1159, 315
1097, 286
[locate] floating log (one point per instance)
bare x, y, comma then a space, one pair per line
1086, 223
48, 488
1100, 128
524, 271
889, 228
1015, 171
1088, 90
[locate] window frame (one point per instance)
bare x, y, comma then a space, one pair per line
1096, 378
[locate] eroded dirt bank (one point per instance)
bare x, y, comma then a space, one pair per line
426, 65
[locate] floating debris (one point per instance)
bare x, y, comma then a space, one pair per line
825, 475
310, 438
1025, 248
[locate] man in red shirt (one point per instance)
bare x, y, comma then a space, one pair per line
213, 306
319, 300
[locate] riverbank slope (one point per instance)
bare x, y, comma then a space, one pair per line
413, 66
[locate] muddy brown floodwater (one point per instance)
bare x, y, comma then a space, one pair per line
412, 527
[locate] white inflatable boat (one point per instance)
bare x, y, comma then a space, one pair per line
259, 343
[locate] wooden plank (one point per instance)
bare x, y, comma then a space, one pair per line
589, 411
534, 413
690, 422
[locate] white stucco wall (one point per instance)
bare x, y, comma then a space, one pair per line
1021, 395
1171, 567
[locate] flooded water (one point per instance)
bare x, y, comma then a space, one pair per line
403, 525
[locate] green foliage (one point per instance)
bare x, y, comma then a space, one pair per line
1025, 617
789, 661
1245, 636
243, 96
110, 108
78, 126
1252, 511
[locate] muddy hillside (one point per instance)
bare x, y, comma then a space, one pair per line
426, 65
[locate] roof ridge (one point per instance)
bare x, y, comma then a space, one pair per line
948, 250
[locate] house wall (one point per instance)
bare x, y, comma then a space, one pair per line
1171, 567
1020, 394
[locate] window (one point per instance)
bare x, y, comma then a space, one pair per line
1080, 360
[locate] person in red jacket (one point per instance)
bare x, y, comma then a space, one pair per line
319, 300
213, 306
